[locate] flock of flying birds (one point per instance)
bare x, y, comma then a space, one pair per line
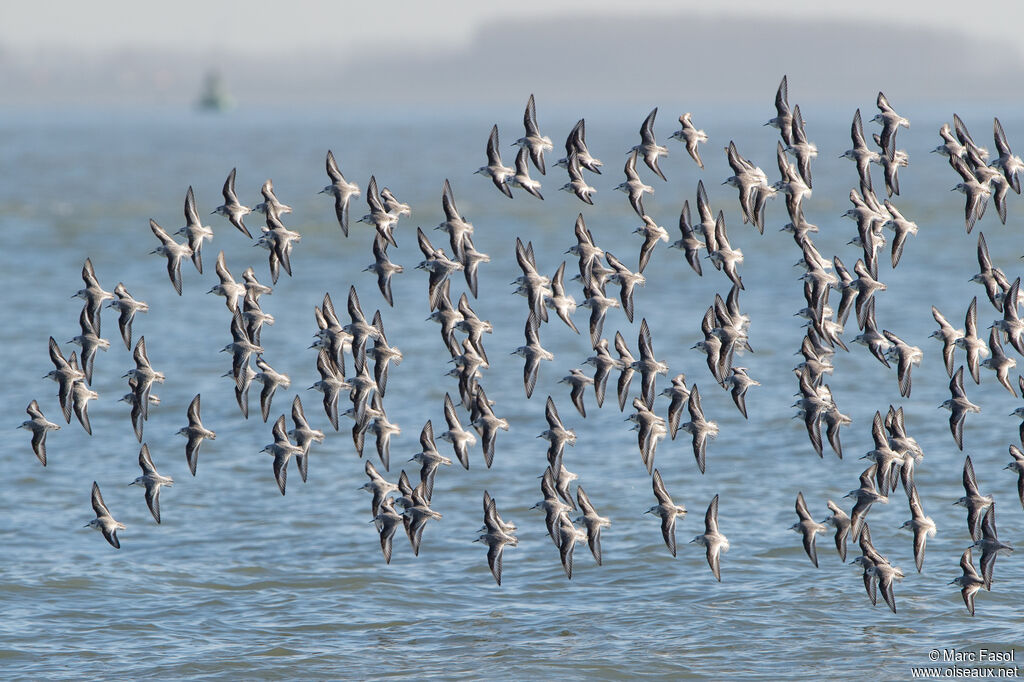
724, 328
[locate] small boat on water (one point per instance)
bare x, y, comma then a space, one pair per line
214, 96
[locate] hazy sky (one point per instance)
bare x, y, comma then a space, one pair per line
267, 27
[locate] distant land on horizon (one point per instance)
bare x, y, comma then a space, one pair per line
591, 60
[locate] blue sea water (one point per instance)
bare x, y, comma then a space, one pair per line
241, 583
